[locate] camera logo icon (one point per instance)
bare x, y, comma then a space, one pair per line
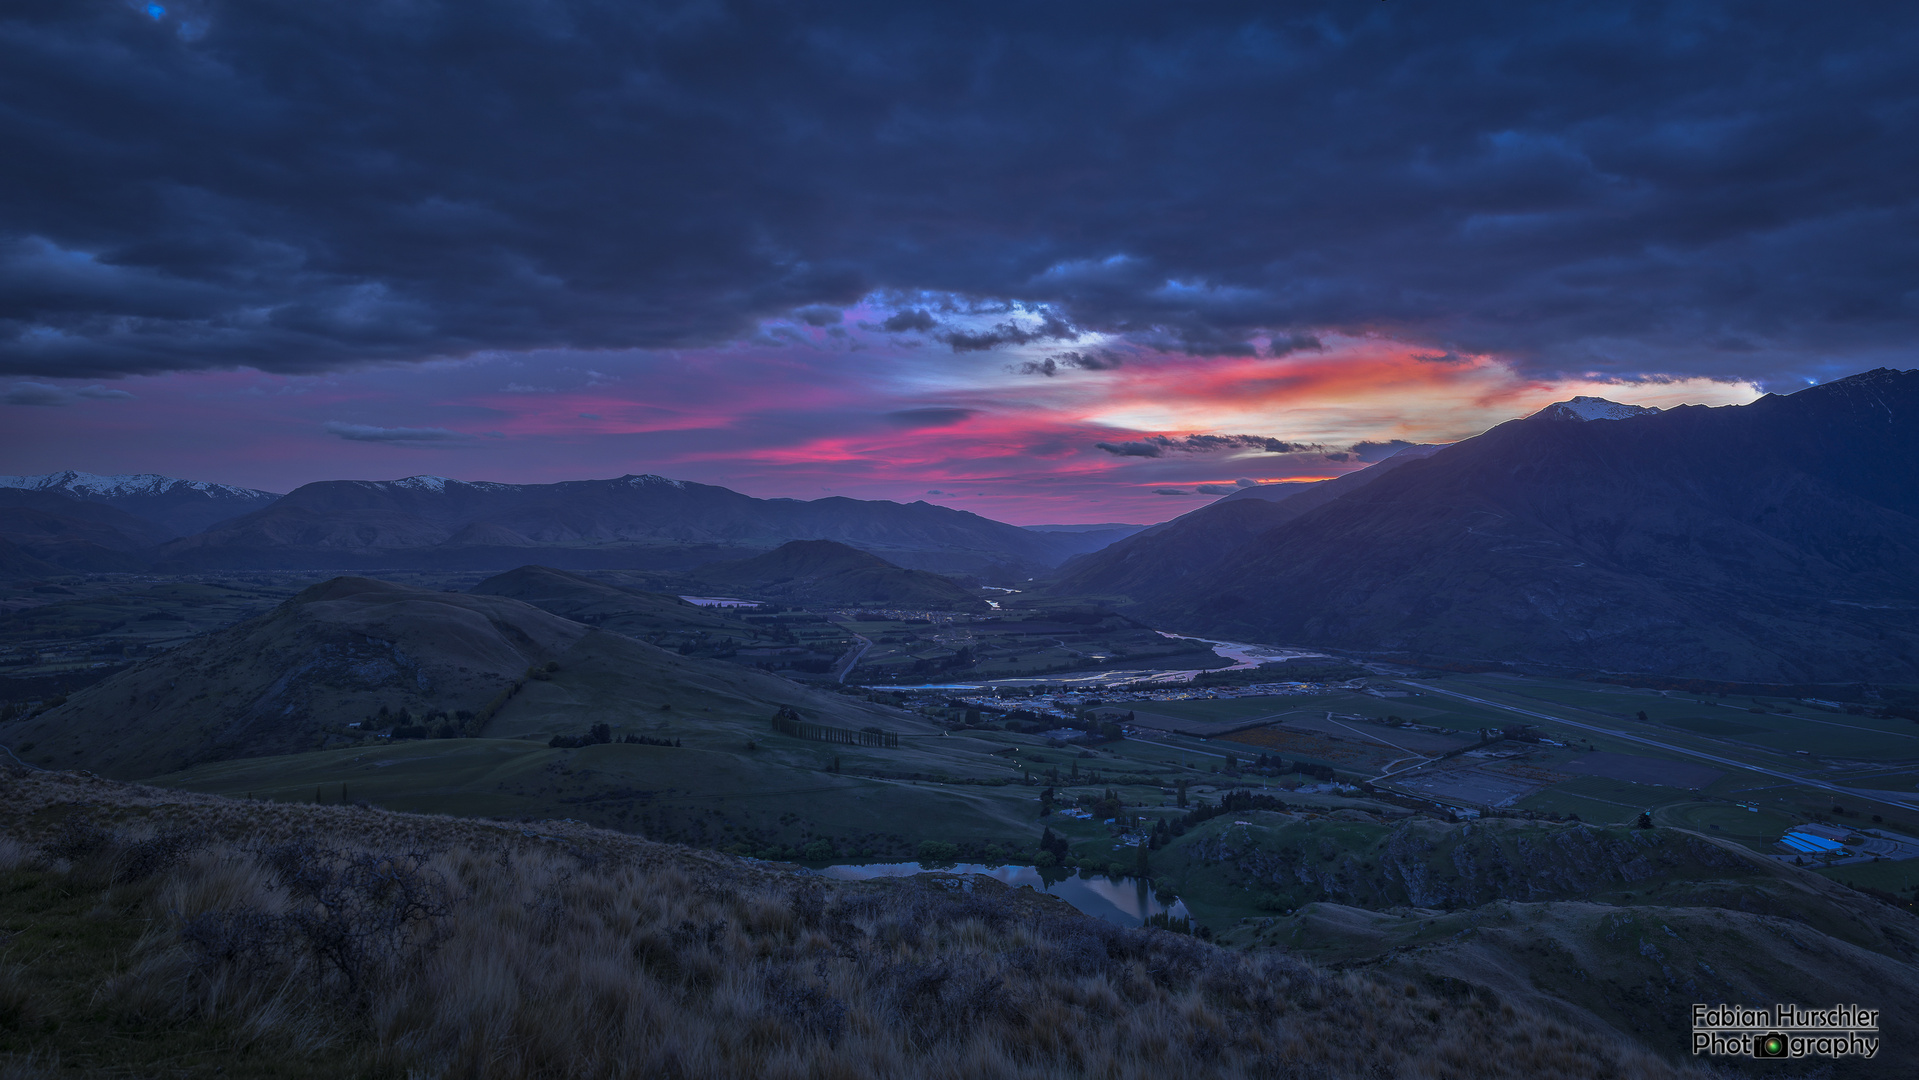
1769, 1045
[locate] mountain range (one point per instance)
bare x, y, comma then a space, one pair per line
80, 522
178, 506
1771, 542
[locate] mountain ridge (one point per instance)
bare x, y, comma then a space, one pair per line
1776, 540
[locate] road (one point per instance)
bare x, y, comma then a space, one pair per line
1874, 796
852, 658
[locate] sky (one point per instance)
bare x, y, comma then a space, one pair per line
1063, 262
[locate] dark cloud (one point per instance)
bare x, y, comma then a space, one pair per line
818, 315
1687, 188
910, 319
1171, 491
1215, 489
1050, 327
400, 435
35, 393
1245, 482
1161, 445
1132, 449
1097, 360
1287, 344
929, 418
1379, 451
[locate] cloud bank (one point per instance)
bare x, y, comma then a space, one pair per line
1705, 189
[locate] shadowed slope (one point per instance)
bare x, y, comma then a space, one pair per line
571, 952
827, 572
596, 603
337, 653
1774, 542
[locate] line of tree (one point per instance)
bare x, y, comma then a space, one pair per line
787, 722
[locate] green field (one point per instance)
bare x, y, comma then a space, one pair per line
1892, 877
1228, 710
1757, 830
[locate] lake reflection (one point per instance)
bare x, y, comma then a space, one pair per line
1126, 901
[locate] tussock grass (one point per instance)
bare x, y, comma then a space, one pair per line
403, 947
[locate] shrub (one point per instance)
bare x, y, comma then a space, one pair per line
937, 853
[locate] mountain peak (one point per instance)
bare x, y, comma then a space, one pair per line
1594, 408
84, 484
649, 480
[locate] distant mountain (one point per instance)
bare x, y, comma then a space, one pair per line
822, 571
337, 653
1772, 542
180, 506
76, 535
633, 521
1595, 408
1160, 560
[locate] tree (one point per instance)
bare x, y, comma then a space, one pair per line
1642, 716
1053, 842
1182, 794
1142, 861
1046, 802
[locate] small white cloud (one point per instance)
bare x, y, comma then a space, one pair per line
369, 433
101, 393
518, 388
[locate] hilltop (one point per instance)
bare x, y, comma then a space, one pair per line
824, 571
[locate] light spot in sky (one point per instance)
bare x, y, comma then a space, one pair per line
155, 12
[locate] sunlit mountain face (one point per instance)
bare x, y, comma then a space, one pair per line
1079, 264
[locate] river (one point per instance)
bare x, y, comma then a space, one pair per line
1242, 654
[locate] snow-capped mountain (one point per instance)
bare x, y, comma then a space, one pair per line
1595, 408
111, 487
180, 506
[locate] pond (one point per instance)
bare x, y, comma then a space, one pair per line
1125, 901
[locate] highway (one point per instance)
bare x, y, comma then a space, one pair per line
1873, 796
852, 658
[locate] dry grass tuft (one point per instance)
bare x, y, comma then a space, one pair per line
424, 948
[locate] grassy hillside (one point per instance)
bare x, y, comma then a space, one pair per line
1628, 970
339, 653
1270, 863
164, 933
